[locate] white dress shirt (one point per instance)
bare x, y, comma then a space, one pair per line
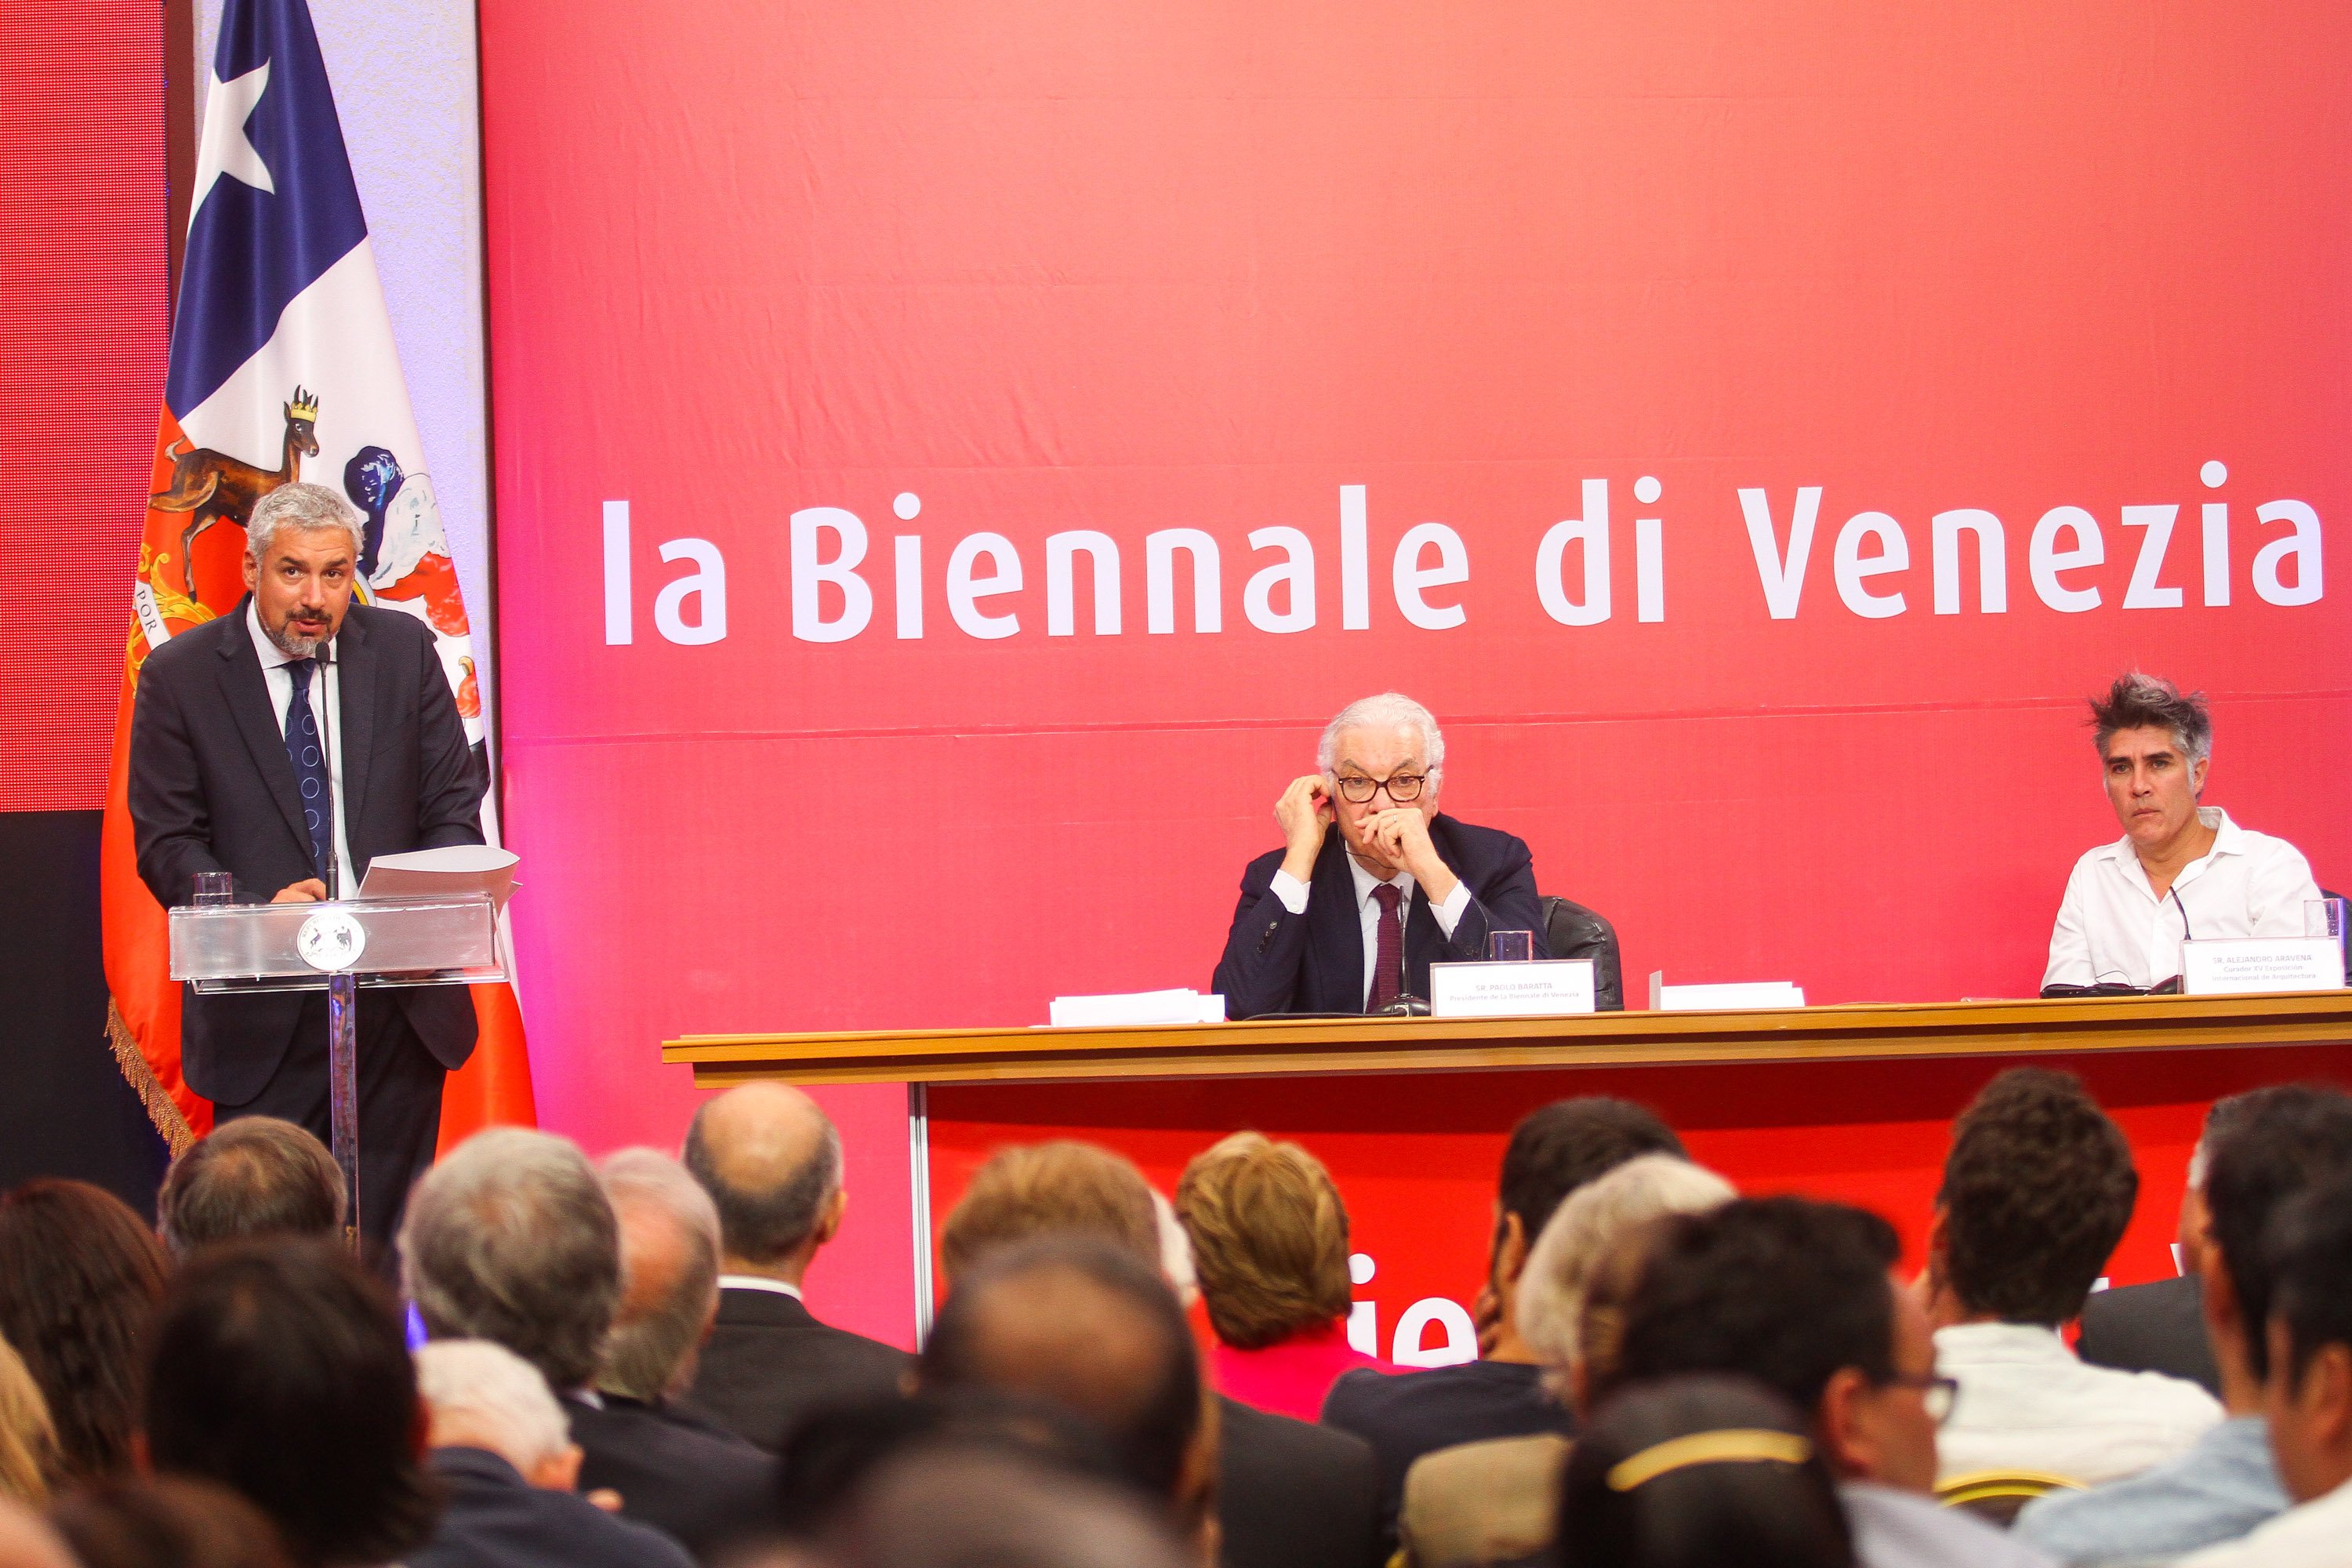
759, 1282
2316, 1535
326, 702
1894, 1529
2112, 927
1293, 894
2028, 1402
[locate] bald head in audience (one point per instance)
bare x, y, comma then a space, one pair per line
770, 1160
1094, 1330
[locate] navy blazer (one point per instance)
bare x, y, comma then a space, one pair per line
490, 1518
1276, 961
211, 789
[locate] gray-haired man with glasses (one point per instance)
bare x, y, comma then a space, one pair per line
1371, 885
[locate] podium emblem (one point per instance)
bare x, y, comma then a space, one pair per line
331, 939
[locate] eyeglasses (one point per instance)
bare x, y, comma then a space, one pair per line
1403, 788
1937, 1394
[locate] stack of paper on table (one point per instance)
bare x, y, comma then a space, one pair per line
1180, 1006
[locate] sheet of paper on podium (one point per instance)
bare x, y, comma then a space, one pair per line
449, 871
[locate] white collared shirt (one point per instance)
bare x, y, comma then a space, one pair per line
760, 1282
2318, 1534
2112, 927
2028, 1402
325, 701
1293, 894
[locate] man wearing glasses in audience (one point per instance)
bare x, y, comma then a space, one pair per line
1371, 885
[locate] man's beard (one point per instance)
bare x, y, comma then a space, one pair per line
291, 643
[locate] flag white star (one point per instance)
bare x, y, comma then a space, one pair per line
225, 150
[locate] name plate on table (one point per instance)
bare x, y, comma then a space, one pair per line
1539, 989
1722, 998
2241, 965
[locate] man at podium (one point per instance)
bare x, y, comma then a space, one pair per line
1372, 885
288, 743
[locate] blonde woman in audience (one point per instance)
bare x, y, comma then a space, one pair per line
28, 1444
1270, 1238
1498, 1500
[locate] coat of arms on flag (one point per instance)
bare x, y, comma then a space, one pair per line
282, 368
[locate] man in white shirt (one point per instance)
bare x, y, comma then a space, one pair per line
2179, 871
1371, 885
2037, 1190
2308, 1393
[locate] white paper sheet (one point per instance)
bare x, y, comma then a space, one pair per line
451, 871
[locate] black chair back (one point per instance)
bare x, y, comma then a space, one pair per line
1572, 931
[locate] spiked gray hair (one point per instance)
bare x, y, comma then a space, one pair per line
301, 507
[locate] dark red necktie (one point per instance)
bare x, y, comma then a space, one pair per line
1387, 950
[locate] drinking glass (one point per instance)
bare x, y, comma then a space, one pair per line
1510, 947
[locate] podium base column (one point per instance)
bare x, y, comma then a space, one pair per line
343, 1093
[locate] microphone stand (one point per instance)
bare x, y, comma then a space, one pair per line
343, 986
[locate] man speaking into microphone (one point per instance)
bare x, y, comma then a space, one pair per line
1372, 885
289, 744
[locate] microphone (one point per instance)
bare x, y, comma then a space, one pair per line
323, 655
2186, 934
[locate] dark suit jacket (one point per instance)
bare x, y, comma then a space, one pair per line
1292, 1495
492, 1518
769, 1361
696, 1482
1276, 961
211, 789
1406, 1415
2151, 1327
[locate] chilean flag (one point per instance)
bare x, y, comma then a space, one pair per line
282, 368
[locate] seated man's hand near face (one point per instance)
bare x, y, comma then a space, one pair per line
1400, 838
1303, 813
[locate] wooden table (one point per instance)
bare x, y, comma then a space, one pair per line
1292, 1047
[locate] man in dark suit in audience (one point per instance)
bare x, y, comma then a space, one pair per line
1289, 1494
511, 1237
770, 1161
1553, 1150
2160, 1327
507, 1466
1371, 885
1090, 1329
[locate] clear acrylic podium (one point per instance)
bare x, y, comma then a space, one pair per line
340, 948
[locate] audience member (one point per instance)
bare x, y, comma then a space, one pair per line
1802, 1297
28, 1439
2037, 1190
2274, 1144
1555, 1150
1035, 1189
1700, 1472
1290, 1494
25, 1542
968, 1509
770, 1161
510, 1238
507, 1464
1498, 1500
2307, 1394
166, 1521
79, 1278
829, 1456
254, 1176
1095, 1330
280, 1370
1269, 1238
2160, 1326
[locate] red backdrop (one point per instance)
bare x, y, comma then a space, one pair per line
1044, 269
